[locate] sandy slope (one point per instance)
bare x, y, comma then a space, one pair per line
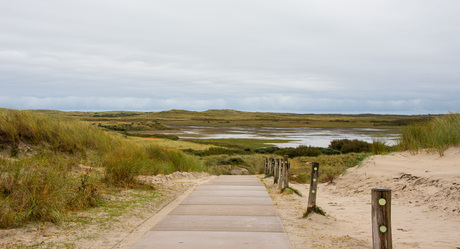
425, 208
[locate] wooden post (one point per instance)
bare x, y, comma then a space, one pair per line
270, 161
313, 187
276, 171
281, 174
286, 172
272, 168
381, 218
266, 166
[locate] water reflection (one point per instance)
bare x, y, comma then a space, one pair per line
294, 137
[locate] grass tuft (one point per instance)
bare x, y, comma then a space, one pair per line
438, 134
290, 190
316, 210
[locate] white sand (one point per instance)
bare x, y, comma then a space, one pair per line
425, 204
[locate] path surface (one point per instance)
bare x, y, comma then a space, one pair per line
227, 212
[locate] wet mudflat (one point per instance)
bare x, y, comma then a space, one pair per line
319, 137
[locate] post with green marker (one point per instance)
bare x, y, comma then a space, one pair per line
313, 187
381, 218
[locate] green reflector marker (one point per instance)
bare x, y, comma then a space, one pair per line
315, 168
383, 229
313, 191
314, 179
382, 202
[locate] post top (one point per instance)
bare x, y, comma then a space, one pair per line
381, 189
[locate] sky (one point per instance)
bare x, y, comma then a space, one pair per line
301, 56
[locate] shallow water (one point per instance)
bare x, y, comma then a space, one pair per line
320, 137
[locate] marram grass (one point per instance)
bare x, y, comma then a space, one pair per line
38, 155
438, 134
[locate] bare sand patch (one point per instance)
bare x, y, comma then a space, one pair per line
425, 203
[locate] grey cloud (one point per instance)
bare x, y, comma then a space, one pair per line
311, 56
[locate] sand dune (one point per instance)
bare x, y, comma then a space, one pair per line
425, 209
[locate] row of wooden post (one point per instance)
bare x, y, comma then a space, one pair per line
381, 199
279, 169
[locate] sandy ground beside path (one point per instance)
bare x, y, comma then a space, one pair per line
425, 203
98, 229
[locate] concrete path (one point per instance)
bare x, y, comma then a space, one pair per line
228, 212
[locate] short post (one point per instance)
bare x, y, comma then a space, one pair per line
313, 187
381, 218
272, 167
281, 174
277, 171
270, 162
286, 172
266, 165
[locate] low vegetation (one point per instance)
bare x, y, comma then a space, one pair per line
437, 134
52, 165
54, 162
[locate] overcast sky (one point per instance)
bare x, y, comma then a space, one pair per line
303, 56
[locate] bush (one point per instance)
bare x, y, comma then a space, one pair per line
329, 151
220, 151
347, 146
267, 150
301, 150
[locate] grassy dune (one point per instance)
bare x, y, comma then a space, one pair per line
438, 134
39, 158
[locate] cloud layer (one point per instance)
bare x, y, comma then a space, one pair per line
297, 56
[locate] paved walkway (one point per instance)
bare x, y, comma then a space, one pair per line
228, 212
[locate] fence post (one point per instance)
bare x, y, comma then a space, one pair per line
313, 187
381, 218
286, 172
272, 168
281, 174
277, 171
266, 166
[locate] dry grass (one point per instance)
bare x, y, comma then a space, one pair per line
38, 154
438, 134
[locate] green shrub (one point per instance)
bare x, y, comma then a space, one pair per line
328, 151
301, 150
267, 150
347, 146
